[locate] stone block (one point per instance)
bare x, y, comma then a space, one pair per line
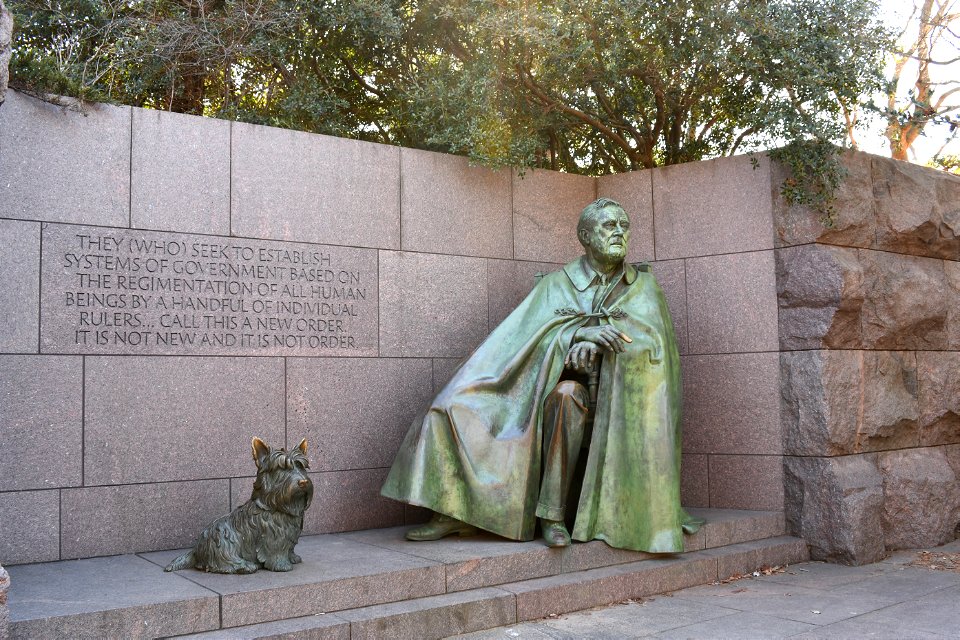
160, 419
820, 293
732, 303
634, 191
951, 270
694, 481
475, 562
336, 574
430, 305
713, 207
853, 208
917, 209
836, 505
890, 407
350, 500
290, 185
101, 521
585, 589
596, 553
953, 457
89, 153
20, 286
729, 527
743, 558
731, 404
546, 206
820, 401
181, 173
119, 597
671, 275
904, 306
433, 617
746, 482
118, 291
29, 527
509, 282
921, 498
448, 206
355, 412
938, 379
310, 627
41, 409
841, 402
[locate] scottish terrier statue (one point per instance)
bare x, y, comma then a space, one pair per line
262, 532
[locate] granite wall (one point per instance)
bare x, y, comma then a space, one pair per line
129, 391
870, 363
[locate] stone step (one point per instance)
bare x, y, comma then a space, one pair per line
477, 609
369, 582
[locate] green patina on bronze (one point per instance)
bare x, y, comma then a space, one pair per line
475, 455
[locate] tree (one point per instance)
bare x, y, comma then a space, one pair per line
585, 86
928, 101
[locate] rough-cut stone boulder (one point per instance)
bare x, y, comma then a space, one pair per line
820, 292
905, 302
835, 505
841, 402
820, 393
882, 204
953, 457
890, 407
952, 272
917, 209
938, 374
855, 224
6, 39
921, 498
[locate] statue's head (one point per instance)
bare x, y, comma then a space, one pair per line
604, 231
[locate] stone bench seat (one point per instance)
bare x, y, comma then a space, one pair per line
374, 583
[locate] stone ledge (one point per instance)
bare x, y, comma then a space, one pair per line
373, 583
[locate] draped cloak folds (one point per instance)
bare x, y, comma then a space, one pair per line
475, 454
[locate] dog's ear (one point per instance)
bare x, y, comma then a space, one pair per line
261, 451
302, 447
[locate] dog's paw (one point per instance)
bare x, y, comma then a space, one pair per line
295, 559
247, 567
279, 565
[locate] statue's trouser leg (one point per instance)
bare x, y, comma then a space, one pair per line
564, 418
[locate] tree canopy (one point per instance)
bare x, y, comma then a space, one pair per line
584, 86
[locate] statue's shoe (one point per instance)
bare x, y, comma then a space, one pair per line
441, 527
555, 533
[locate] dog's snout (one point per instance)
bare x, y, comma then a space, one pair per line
303, 483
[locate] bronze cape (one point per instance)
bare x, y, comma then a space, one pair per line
475, 454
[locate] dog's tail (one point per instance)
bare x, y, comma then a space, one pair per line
183, 562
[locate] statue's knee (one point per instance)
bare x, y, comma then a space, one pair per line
567, 390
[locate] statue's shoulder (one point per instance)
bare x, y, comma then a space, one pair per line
540, 276
642, 267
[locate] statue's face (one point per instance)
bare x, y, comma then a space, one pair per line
607, 240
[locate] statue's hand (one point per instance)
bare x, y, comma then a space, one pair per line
582, 356
604, 336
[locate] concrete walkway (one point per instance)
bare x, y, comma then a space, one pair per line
889, 599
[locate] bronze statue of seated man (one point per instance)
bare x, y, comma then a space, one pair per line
497, 448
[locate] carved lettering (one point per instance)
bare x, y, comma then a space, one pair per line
123, 291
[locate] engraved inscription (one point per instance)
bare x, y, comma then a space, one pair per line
123, 291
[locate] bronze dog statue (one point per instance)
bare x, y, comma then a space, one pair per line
263, 531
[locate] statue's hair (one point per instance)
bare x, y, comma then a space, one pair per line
591, 211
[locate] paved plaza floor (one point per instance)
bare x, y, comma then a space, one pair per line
900, 598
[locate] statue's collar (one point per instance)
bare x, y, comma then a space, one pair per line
581, 274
